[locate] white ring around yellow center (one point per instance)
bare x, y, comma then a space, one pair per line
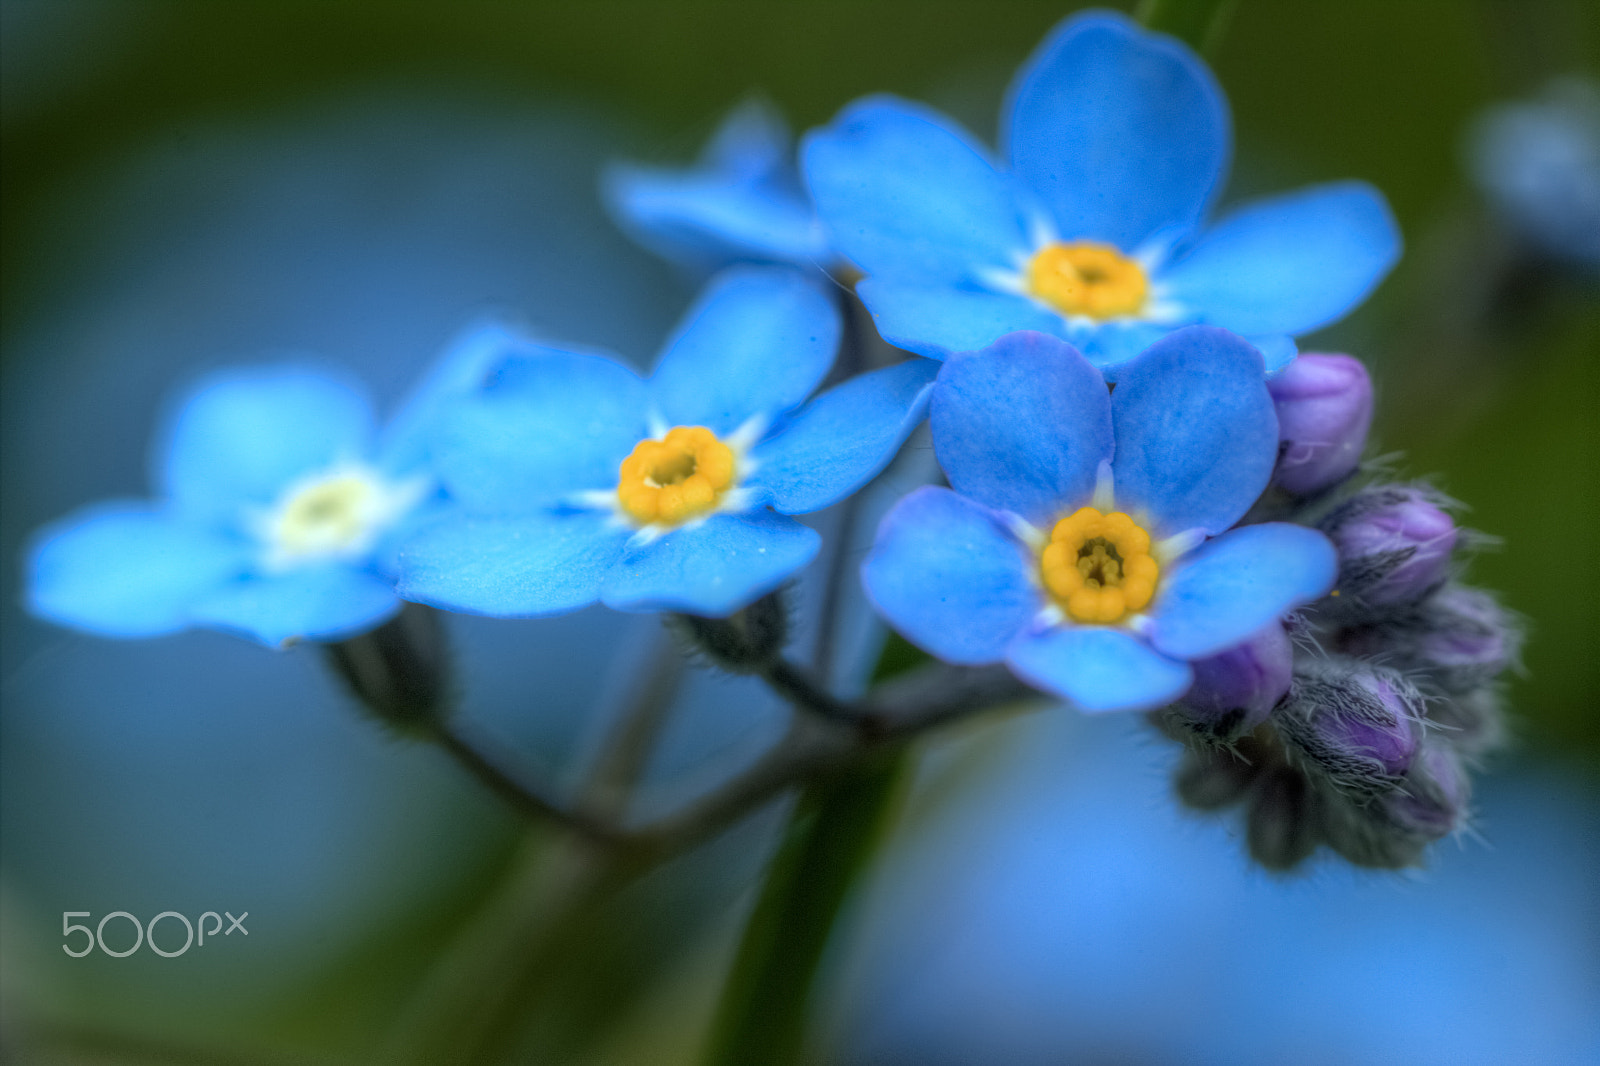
334, 514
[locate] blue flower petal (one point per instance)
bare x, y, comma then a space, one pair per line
125, 569
756, 343
385, 556
1231, 587
327, 602
1110, 344
542, 428
1197, 435
518, 567
1288, 264
906, 193
938, 321
706, 220
950, 577
1122, 132
1097, 668
839, 441
464, 366
1277, 350
713, 569
751, 143
243, 435
1023, 425
742, 201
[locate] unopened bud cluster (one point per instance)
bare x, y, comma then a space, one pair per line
1353, 726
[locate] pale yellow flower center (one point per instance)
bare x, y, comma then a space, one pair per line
1088, 278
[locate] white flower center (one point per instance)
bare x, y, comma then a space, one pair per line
338, 513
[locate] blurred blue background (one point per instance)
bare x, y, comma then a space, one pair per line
192, 184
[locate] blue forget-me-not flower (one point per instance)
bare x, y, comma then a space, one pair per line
1539, 164
1115, 144
742, 201
279, 503
576, 480
1075, 545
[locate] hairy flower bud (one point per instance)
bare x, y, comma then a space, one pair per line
744, 642
1433, 799
1394, 545
1366, 835
1324, 405
1463, 639
1357, 724
1394, 830
1209, 780
1283, 826
1235, 691
1456, 640
1473, 722
400, 670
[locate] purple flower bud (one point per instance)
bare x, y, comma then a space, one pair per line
1358, 724
1394, 545
1433, 799
1324, 405
1456, 641
1463, 638
1390, 741
1235, 691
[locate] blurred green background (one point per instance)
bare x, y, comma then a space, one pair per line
1490, 388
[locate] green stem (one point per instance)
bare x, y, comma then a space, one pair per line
1198, 23
828, 843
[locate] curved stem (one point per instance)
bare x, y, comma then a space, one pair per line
521, 796
627, 749
557, 889
805, 692
936, 694
804, 752
833, 593
829, 734
851, 361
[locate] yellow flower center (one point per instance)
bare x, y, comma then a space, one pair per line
1088, 278
1099, 567
675, 479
